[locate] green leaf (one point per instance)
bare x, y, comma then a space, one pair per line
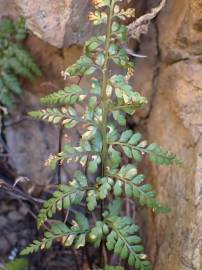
100, 59
109, 267
15, 61
82, 221
63, 198
120, 32
93, 164
80, 241
83, 66
134, 148
114, 159
12, 83
128, 100
97, 233
115, 207
119, 117
124, 241
91, 200
17, 264
128, 181
70, 95
93, 44
160, 156
97, 17
68, 117
103, 187
25, 59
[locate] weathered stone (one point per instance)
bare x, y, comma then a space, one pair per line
4, 246
61, 23
3, 221
175, 122
15, 216
24, 210
30, 142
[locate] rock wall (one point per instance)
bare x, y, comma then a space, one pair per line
60, 23
171, 78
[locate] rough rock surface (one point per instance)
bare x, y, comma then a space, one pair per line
31, 142
174, 120
60, 23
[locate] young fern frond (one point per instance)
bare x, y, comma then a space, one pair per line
134, 147
101, 149
68, 236
15, 60
85, 154
129, 182
70, 95
25, 58
64, 197
67, 116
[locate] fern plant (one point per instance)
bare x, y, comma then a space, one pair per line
101, 150
15, 60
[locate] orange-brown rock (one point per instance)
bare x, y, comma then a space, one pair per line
174, 120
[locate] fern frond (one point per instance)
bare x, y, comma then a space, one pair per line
6, 97
127, 180
161, 156
93, 44
125, 93
25, 59
34, 247
103, 187
64, 197
101, 147
68, 116
16, 66
11, 82
70, 95
15, 61
125, 242
85, 154
91, 199
20, 29
7, 29
135, 148
83, 66
76, 236
98, 232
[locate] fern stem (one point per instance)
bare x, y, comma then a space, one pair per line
104, 92
105, 110
59, 167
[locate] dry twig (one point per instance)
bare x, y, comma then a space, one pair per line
141, 25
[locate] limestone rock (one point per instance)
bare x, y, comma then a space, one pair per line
61, 23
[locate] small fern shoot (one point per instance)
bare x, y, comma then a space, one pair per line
15, 60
